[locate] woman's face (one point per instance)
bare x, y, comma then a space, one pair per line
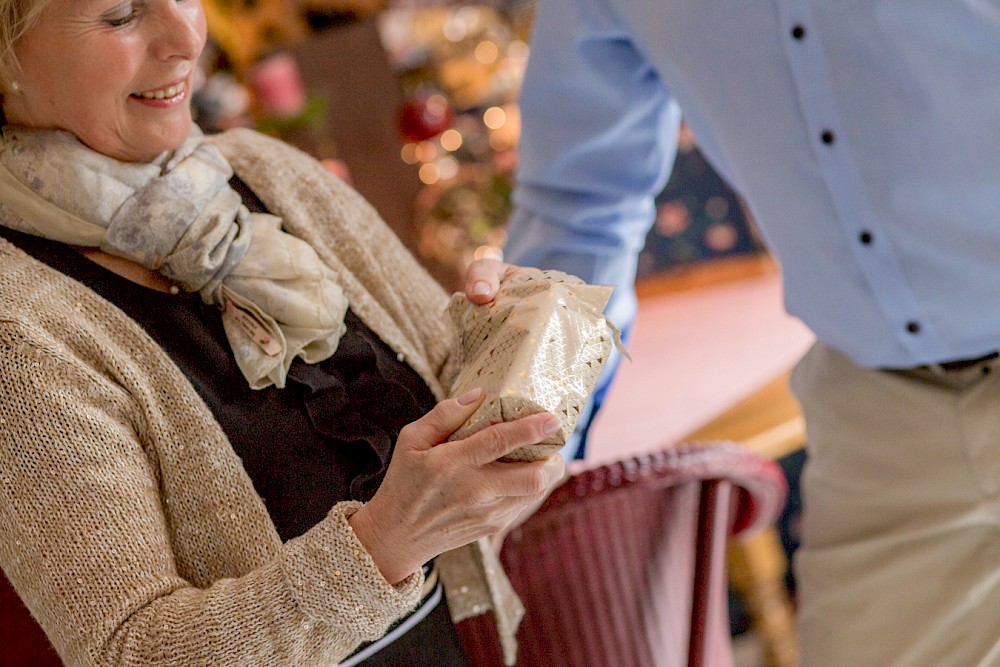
115, 73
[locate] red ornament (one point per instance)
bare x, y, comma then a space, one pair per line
423, 117
278, 86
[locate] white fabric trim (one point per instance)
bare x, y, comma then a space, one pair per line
420, 614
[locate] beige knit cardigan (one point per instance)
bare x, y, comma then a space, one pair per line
127, 523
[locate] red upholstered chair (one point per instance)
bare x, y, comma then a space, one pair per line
22, 642
625, 564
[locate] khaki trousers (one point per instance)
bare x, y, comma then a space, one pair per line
900, 557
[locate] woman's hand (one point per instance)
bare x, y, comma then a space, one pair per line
484, 277
440, 495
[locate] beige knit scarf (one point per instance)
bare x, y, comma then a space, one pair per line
178, 215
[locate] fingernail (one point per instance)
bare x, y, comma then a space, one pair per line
551, 425
481, 288
469, 396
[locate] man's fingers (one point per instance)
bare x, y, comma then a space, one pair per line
444, 419
483, 280
484, 277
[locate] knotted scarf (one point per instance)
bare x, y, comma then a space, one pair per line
178, 215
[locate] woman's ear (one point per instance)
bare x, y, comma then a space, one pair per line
6, 90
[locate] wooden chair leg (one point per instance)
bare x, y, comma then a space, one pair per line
757, 569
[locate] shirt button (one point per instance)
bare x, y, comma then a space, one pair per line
798, 31
827, 137
913, 327
865, 237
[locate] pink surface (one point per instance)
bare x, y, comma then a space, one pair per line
695, 354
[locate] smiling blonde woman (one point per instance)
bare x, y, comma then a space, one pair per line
222, 388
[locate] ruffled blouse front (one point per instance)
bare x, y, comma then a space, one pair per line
327, 437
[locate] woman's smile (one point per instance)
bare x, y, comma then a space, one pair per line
165, 97
115, 74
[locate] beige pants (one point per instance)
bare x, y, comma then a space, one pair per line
900, 563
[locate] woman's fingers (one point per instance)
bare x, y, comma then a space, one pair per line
439, 495
444, 419
528, 479
499, 440
485, 446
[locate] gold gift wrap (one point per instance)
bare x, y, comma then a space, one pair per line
539, 346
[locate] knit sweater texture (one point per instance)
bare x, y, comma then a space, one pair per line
127, 523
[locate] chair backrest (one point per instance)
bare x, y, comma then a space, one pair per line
624, 564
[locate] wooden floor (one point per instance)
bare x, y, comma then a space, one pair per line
704, 340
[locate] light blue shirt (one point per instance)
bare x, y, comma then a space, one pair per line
864, 135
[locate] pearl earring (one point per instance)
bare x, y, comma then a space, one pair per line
15, 86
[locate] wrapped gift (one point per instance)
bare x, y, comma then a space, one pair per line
539, 346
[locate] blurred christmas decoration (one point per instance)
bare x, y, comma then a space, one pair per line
463, 217
220, 100
247, 29
338, 168
461, 68
250, 80
281, 106
278, 86
474, 54
698, 216
268, 97
425, 116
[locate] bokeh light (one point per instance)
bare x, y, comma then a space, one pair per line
429, 173
451, 140
494, 118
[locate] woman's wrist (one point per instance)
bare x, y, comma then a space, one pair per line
383, 552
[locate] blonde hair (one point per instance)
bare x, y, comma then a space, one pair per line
16, 18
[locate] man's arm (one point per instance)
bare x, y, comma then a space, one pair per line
598, 139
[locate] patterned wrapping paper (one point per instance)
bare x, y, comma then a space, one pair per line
539, 346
